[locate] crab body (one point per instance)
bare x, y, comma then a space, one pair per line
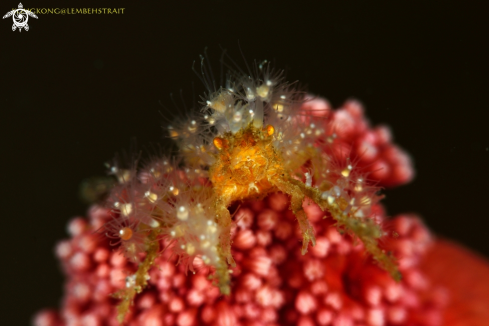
253, 138
248, 166
245, 166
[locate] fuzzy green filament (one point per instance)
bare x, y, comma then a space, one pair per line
140, 278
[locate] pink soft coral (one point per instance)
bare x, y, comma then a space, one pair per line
336, 283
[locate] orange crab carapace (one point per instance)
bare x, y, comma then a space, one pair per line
249, 166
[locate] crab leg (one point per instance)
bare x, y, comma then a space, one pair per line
296, 199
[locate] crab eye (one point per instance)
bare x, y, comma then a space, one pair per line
218, 142
125, 233
270, 130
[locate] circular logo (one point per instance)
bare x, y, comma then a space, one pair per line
20, 18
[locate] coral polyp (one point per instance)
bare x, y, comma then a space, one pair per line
253, 137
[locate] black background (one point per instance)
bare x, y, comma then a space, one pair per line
76, 88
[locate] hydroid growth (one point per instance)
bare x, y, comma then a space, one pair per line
255, 134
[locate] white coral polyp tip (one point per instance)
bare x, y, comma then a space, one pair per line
131, 281
249, 94
154, 223
237, 116
346, 171
152, 197
308, 179
126, 209
190, 249
263, 91
182, 213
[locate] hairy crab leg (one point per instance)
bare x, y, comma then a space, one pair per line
296, 199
